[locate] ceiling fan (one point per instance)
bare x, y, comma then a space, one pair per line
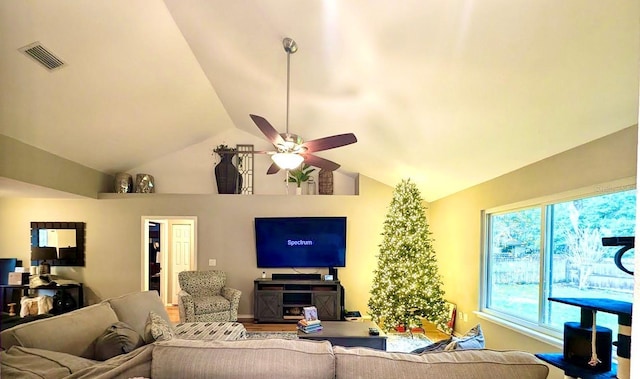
291, 149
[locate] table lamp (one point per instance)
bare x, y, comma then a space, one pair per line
43, 254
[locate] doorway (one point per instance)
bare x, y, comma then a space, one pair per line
168, 247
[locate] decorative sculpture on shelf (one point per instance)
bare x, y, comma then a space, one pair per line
123, 183
145, 183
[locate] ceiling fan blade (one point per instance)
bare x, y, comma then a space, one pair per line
273, 169
325, 164
331, 142
269, 131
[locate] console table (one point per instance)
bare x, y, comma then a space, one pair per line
623, 310
24, 291
283, 300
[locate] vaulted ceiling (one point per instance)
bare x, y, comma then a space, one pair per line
450, 93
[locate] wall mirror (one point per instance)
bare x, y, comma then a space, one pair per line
66, 237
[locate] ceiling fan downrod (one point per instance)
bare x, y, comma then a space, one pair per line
290, 47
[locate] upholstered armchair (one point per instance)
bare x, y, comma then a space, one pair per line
203, 297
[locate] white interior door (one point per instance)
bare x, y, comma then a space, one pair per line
182, 249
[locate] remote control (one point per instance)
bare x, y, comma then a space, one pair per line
374, 332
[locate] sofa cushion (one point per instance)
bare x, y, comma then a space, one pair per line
157, 329
210, 304
118, 339
457, 364
247, 359
72, 333
134, 309
472, 339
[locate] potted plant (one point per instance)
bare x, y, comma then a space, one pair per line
224, 150
300, 175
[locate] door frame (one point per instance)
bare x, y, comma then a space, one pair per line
165, 246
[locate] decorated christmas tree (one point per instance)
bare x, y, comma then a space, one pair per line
406, 284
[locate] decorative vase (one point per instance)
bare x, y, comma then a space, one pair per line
325, 182
123, 183
145, 183
228, 178
298, 190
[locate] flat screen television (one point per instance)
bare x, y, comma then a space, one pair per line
301, 241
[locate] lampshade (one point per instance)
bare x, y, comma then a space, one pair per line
43, 253
287, 160
67, 253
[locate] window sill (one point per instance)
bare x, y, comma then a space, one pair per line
545, 338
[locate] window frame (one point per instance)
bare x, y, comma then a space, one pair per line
537, 329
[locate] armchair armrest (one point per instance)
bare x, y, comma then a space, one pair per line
233, 295
186, 307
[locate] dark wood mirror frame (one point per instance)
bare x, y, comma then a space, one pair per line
77, 226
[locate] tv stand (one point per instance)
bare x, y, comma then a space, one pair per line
282, 300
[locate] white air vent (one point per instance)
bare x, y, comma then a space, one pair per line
43, 56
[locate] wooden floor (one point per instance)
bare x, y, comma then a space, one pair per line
251, 326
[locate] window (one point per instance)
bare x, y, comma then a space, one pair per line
554, 249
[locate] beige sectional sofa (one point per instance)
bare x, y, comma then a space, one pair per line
64, 347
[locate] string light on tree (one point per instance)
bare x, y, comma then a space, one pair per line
407, 286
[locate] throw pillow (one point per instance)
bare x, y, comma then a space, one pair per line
118, 339
473, 339
436, 346
157, 329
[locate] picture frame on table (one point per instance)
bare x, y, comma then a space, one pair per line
310, 313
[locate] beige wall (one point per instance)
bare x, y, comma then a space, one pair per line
25, 163
455, 220
225, 232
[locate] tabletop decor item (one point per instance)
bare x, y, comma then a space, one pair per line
325, 182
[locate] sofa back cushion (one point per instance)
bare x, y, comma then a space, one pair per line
73, 333
247, 359
457, 364
133, 309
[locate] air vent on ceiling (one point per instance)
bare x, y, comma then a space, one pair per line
42, 55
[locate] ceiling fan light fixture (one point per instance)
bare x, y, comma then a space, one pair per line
287, 161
